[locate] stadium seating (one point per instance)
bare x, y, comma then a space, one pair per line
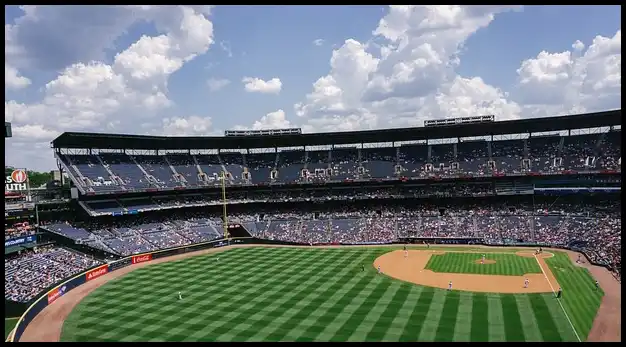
539, 154
30, 272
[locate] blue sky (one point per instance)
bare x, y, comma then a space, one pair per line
471, 60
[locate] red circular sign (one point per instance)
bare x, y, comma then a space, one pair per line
19, 176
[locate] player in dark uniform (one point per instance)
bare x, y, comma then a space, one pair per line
559, 293
405, 247
362, 267
597, 285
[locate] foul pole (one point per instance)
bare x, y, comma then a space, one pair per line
224, 215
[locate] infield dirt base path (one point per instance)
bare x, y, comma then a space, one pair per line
48, 324
607, 327
413, 269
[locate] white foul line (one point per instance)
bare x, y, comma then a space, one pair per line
557, 300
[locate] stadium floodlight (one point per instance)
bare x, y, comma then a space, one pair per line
224, 203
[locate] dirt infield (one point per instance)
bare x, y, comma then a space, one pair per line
412, 269
607, 327
47, 325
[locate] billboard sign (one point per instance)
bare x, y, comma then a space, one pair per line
19, 241
56, 293
97, 272
141, 258
17, 181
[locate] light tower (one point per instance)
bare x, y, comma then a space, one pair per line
224, 214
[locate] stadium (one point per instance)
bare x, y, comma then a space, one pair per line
467, 229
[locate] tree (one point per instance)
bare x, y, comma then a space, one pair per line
36, 179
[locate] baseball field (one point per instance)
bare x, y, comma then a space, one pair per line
337, 294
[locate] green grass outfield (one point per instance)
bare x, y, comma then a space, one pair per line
9, 324
309, 294
507, 264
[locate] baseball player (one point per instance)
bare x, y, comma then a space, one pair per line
404, 247
362, 268
526, 283
406, 253
450, 286
379, 269
597, 285
559, 293
180, 296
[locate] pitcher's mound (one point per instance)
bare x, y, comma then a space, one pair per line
412, 269
486, 261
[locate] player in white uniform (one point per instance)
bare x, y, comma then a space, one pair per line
406, 253
526, 281
483, 260
450, 285
180, 296
379, 269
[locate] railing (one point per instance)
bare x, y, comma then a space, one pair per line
52, 295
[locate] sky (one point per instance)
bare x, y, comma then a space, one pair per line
200, 70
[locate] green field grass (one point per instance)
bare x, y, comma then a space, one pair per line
506, 264
288, 294
580, 299
9, 324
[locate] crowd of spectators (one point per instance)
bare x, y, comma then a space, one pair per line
593, 229
539, 154
141, 234
350, 194
16, 230
28, 273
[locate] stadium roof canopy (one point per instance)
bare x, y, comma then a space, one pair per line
521, 126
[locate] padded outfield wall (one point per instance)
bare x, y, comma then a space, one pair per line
52, 295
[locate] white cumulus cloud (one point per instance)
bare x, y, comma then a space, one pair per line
273, 120
94, 95
13, 80
572, 81
406, 73
187, 126
257, 85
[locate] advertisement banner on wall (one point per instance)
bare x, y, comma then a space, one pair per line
19, 241
119, 264
141, 258
97, 272
56, 293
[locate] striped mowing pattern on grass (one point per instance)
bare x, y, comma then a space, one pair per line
506, 264
287, 294
580, 298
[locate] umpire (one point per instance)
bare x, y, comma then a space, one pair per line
559, 293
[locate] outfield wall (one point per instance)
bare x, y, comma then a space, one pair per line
52, 295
